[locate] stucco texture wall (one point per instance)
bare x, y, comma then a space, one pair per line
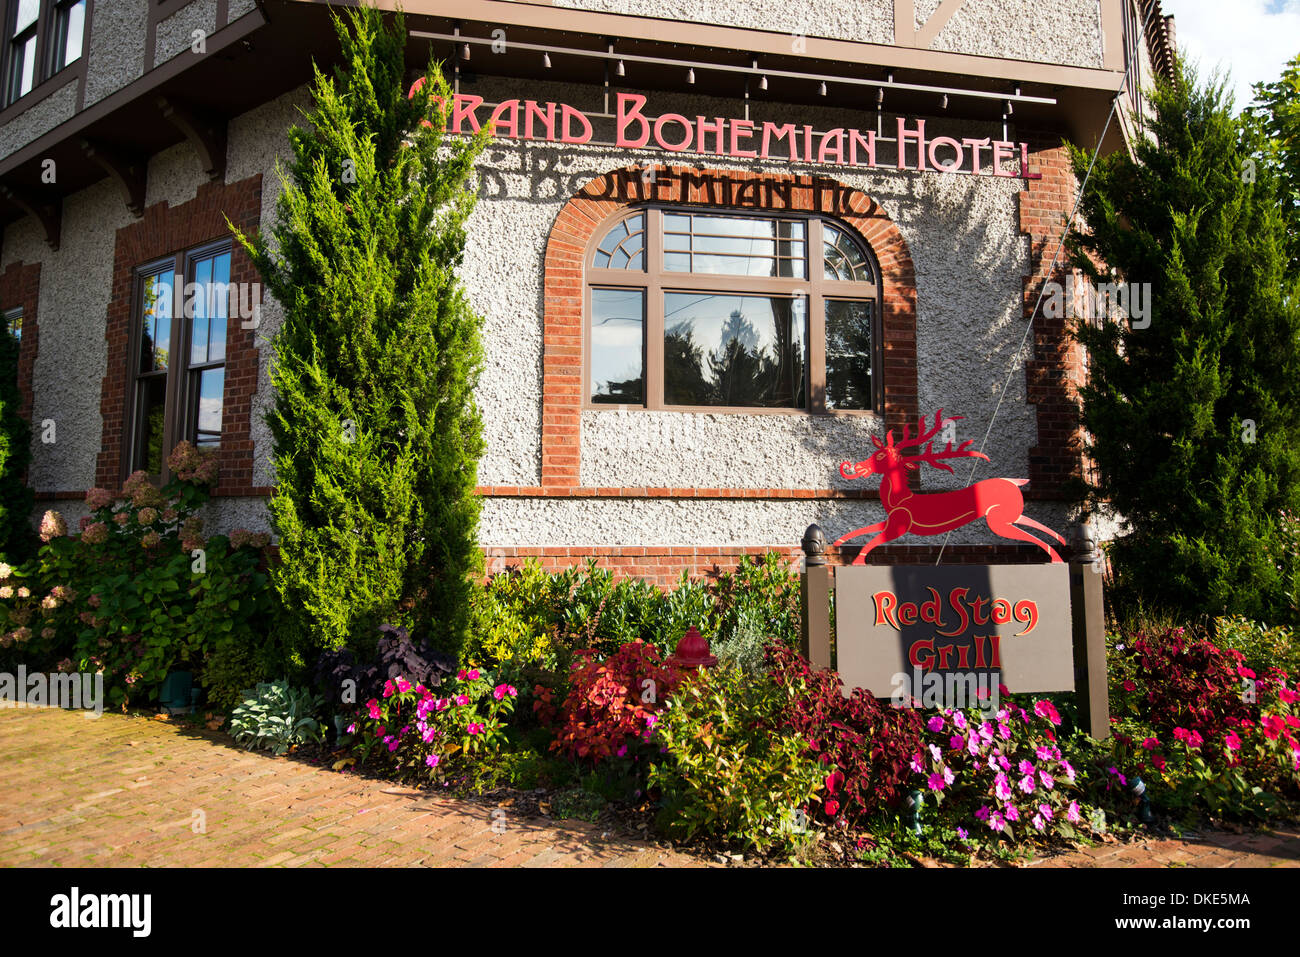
116, 54
970, 259
1051, 31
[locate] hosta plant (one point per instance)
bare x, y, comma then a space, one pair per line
275, 717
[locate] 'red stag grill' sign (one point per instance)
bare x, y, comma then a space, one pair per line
903, 630
1000, 624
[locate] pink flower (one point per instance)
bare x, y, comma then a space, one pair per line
1045, 810
1045, 709
352, 728
53, 526
1072, 812
621, 752
1194, 739
462, 700
432, 760
510, 690
948, 776
936, 753
1001, 787
473, 674
373, 705
460, 675
388, 688
403, 685
983, 813
832, 807
442, 704
475, 727
1047, 780
1129, 686
997, 822
1180, 734
1232, 741
428, 734
1287, 696
500, 691
1025, 767
98, 498
1027, 784
1012, 812
1150, 743
1037, 821
935, 782
956, 742
959, 720
916, 764
935, 723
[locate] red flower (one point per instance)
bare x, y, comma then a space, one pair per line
832, 807
1129, 686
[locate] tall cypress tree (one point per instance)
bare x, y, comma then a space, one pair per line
16, 537
1195, 420
377, 437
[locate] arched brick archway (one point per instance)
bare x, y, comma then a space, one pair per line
619, 189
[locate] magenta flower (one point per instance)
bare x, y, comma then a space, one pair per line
1026, 767
403, 685
983, 813
1045, 709
373, 705
1047, 780
948, 776
1027, 784
432, 760
1233, 741
935, 782
916, 764
1038, 822
997, 822
1150, 743
935, 723
959, 720
1069, 770
1194, 739
461, 700
388, 688
1045, 811
1012, 812
936, 753
473, 674
474, 727
956, 742
1001, 787
1072, 812
962, 834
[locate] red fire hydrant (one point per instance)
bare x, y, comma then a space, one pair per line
692, 652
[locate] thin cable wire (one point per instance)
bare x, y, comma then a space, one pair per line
1060, 244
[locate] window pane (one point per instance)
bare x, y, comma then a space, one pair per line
745, 351
73, 26
218, 308
209, 385
22, 67
843, 258
622, 246
618, 346
155, 334
734, 245
151, 406
196, 305
13, 322
27, 12
848, 354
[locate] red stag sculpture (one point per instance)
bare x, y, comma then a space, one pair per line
998, 500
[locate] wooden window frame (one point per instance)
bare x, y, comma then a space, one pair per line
47, 80
655, 280
176, 417
52, 53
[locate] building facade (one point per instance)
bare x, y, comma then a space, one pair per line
706, 273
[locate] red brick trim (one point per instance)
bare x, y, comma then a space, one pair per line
1053, 374
20, 285
164, 231
663, 565
619, 189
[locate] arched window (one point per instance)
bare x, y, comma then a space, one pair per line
712, 310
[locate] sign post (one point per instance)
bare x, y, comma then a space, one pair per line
815, 628
1089, 622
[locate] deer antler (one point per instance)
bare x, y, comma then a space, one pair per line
931, 457
923, 434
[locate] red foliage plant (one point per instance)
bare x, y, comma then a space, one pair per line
1179, 680
865, 746
612, 704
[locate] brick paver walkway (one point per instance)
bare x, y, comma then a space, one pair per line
121, 791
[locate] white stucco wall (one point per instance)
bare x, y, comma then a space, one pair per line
116, 52
38, 119
963, 236
1047, 31
174, 35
